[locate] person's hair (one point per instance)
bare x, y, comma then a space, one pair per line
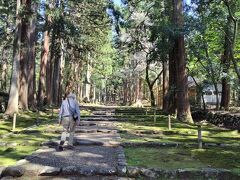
68, 88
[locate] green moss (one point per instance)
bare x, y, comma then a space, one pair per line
163, 158
9, 156
173, 158
25, 143
180, 132
228, 157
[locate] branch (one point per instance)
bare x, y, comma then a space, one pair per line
229, 11
156, 78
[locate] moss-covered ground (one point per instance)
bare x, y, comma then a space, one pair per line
179, 157
143, 129
19, 143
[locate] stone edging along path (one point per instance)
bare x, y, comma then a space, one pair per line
174, 144
188, 173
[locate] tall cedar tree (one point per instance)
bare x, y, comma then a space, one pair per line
13, 94
183, 106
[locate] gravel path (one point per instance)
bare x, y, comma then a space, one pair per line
82, 156
96, 155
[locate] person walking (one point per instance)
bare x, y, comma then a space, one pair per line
69, 118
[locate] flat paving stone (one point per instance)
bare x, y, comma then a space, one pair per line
103, 138
80, 156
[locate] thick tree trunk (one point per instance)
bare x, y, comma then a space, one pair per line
31, 58
49, 79
56, 81
165, 86
183, 106
172, 97
13, 94
62, 64
23, 78
56, 74
225, 100
43, 69
50, 69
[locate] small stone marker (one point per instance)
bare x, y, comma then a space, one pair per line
14, 121
169, 122
199, 137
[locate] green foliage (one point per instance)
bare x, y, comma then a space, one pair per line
207, 23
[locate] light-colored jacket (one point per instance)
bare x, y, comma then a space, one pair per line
65, 110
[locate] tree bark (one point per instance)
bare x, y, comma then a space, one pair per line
150, 86
88, 79
4, 69
183, 106
62, 63
139, 90
172, 96
23, 78
49, 78
56, 74
125, 91
50, 56
13, 94
31, 56
225, 100
43, 67
165, 85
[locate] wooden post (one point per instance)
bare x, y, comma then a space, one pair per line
199, 137
14, 121
52, 110
37, 119
155, 115
169, 122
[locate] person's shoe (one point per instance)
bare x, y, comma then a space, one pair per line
61, 143
70, 146
60, 148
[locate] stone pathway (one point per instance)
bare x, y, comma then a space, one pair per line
97, 155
